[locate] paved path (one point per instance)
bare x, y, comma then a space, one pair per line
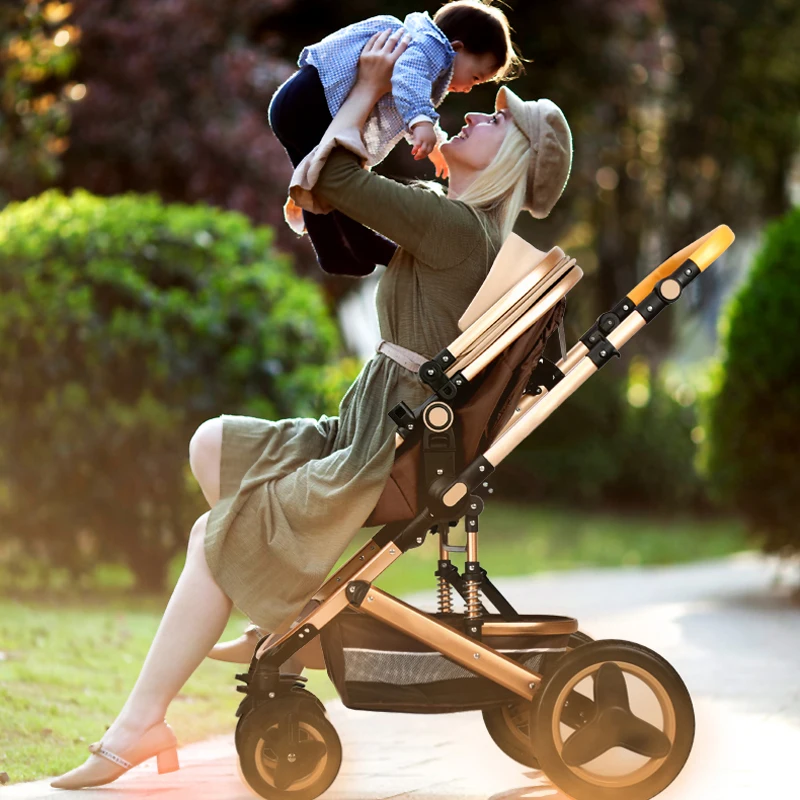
733, 637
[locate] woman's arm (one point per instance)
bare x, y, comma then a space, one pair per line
374, 79
417, 219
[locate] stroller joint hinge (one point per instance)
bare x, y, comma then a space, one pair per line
608, 322
545, 375
474, 474
403, 416
357, 591
271, 660
685, 273
602, 353
448, 391
433, 373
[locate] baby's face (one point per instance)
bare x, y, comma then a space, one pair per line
469, 69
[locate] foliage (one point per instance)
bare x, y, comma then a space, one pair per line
37, 53
625, 444
124, 323
184, 111
754, 433
735, 127
678, 110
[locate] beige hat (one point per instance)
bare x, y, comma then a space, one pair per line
545, 126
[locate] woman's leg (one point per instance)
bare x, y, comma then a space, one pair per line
196, 614
205, 458
195, 617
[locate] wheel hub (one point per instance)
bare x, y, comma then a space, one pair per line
289, 755
612, 724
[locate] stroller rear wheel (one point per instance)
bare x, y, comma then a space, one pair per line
288, 750
613, 721
508, 725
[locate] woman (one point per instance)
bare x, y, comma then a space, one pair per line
288, 496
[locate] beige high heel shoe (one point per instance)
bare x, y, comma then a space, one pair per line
158, 742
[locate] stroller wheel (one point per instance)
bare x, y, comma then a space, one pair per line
508, 725
237, 737
613, 721
288, 750
297, 690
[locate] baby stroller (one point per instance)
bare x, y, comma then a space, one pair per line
551, 698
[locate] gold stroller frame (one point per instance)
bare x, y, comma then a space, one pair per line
450, 498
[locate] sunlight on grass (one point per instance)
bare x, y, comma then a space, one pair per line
68, 659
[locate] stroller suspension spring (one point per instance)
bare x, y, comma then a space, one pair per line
444, 595
472, 574
472, 595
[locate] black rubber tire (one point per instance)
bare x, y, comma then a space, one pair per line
505, 723
543, 711
250, 746
237, 736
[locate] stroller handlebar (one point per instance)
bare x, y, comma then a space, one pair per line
702, 252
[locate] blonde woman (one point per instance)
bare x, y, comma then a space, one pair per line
287, 497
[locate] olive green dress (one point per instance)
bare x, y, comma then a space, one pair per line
294, 492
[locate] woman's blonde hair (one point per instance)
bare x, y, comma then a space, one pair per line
499, 190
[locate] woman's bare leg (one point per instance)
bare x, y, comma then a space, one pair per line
205, 458
194, 619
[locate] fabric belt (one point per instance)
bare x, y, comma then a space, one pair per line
402, 355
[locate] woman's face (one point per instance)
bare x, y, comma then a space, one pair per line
478, 142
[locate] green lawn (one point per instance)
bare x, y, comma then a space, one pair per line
68, 662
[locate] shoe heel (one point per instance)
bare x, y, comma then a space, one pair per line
168, 761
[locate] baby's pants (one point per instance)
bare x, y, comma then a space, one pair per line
299, 116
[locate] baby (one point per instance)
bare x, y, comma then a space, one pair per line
466, 42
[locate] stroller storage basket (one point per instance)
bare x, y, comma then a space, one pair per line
378, 668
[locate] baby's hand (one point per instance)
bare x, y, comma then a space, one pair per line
437, 159
424, 140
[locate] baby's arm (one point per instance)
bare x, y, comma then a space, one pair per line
412, 86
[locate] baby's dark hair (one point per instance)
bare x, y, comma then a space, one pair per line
483, 29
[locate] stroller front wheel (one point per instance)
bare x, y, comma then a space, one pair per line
613, 721
288, 750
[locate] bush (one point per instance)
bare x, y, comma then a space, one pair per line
124, 323
754, 432
621, 441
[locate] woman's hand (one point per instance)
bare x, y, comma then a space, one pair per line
378, 58
374, 79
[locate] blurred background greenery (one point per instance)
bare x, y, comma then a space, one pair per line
148, 282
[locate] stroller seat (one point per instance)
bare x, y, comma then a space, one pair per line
518, 307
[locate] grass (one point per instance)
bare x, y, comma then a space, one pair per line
68, 660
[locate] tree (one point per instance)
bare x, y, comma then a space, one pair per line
37, 53
754, 435
124, 323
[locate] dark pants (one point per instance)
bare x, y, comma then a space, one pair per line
299, 116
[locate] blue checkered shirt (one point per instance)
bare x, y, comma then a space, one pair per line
420, 79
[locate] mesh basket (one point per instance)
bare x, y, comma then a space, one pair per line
377, 668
